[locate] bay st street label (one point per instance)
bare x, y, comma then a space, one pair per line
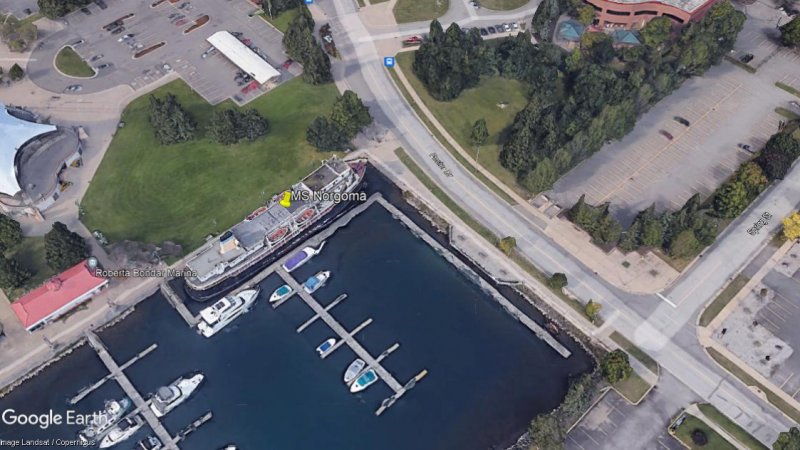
759, 224
441, 165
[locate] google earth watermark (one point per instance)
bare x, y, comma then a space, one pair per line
10, 417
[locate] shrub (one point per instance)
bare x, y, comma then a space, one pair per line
557, 281
616, 366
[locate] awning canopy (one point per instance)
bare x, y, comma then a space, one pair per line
242, 56
14, 133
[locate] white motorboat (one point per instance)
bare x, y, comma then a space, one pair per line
225, 310
301, 257
353, 370
317, 281
281, 293
325, 347
149, 443
364, 381
167, 398
102, 421
126, 428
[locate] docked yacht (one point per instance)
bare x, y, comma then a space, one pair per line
102, 421
167, 398
317, 281
325, 347
225, 310
149, 443
364, 381
281, 293
301, 257
353, 370
126, 428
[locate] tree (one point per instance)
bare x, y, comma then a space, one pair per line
592, 310
684, 245
615, 366
787, 440
300, 44
53, 9
17, 34
16, 73
582, 214
586, 15
752, 178
541, 178
479, 133
63, 248
547, 432
790, 33
507, 244
731, 199
699, 437
326, 135
557, 281
350, 113
657, 31
11, 275
791, 226
608, 229
274, 8
544, 20
10, 232
171, 123
230, 126
779, 153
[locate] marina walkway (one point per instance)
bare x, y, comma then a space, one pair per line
130, 391
178, 304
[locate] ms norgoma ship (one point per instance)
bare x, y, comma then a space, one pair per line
271, 230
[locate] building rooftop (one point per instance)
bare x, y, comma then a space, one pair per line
15, 132
38, 165
242, 56
686, 5
56, 295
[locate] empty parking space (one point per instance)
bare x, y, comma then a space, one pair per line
665, 162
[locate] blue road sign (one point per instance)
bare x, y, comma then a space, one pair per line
388, 61
308, 2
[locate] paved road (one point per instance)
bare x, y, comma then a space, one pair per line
667, 333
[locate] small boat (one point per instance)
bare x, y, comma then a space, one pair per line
353, 370
317, 281
281, 293
169, 397
149, 443
105, 419
301, 257
126, 428
229, 447
224, 311
326, 346
364, 381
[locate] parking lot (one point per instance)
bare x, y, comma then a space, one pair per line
111, 51
665, 162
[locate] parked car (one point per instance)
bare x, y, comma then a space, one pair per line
118, 30
237, 34
183, 5
73, 88
491, 30
681, 120
746, 58
746, 148
665, 134
125, 38
86, 11
474, 5
78, 42
181, 22
287, 63
101, 4
484, 32
173, 15
95, 58
103, 66
795, 104
515, 26
507, 26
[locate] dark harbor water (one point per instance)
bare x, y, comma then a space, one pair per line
488, 374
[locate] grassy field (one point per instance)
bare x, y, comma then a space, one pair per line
632, 388
715, 441
281, 22
147, 192
30, 255
70, 63
440, 137
458, 116
417, 10
731, 367
635, 351
722, 299
728, 425
502, 5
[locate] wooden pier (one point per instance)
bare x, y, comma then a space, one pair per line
362, 353
89, 389
178, 304
316, 316
192, 427
130, 391
352, 334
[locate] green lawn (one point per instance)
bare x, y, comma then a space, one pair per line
722, 299
787, 88
502, 5
481, 102
70, 63
418, 10
715, 441
281, 22
728, 425
147, 192
632, 388
635, 351
30, 255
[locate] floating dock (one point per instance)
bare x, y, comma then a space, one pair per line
88, 390
178, 304
130, 391
316, 316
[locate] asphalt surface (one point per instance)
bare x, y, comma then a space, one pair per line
666, 332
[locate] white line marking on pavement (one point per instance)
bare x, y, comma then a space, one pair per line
666, 300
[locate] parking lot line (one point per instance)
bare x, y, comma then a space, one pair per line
787, 380
772, 324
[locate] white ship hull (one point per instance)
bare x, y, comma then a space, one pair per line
214, 319
185, 386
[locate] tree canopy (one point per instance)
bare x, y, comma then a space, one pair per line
15, 72
790, 33
53, 9
616, 366
11, 274
788, 440
791, 226
171, 123
63, 248
10, 232
326, 135
229, 126
350, 114
300, 44
274, 8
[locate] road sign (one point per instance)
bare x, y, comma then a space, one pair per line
388, 61
308, 2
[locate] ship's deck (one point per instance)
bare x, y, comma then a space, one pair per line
325, 174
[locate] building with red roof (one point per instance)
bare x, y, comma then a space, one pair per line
57, 296
636, 13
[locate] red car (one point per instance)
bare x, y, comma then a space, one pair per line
287, 63
181, 22
413, 40
253, 85
246, 41
666, 134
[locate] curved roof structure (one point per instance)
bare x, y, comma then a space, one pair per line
245, 58
14, 133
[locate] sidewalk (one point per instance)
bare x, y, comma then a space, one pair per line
694, 410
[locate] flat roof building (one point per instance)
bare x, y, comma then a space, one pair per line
636, 13
244, 58
57, 296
